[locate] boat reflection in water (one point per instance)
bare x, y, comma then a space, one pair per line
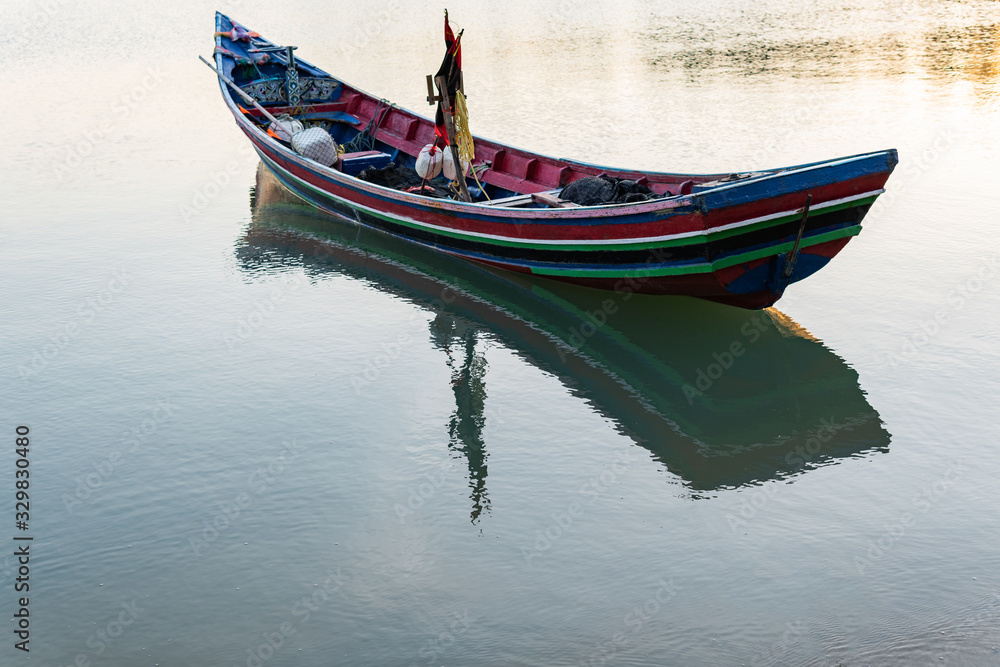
723, 397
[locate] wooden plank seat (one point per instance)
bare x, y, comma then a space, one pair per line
551, 200
535, 197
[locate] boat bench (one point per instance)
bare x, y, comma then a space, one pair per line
549, 198
353, 164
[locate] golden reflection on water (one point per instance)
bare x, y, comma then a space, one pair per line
972, 53
941, 52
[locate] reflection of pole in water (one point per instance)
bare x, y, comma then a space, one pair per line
465, 429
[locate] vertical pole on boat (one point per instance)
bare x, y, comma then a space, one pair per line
292, 79
449, 124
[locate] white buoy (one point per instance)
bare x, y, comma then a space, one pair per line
449, 165
429, 161
285, 126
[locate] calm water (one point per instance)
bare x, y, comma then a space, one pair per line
253, 424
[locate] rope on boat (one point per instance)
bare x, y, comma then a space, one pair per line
463, 137
365, 140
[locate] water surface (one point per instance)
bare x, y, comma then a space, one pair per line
258, 423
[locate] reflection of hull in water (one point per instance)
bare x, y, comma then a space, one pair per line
722, 397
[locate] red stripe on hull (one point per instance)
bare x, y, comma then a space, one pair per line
517, 224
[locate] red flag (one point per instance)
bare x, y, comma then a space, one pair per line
451, 70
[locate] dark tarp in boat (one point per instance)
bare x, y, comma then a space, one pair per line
597, 190
401, 178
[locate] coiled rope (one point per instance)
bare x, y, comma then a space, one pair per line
365, 140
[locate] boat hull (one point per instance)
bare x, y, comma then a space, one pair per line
755, 282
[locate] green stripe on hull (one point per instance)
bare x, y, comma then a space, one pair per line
708, 267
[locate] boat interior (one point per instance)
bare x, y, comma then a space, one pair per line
374, 134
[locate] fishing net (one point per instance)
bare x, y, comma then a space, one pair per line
597, 190
315, 144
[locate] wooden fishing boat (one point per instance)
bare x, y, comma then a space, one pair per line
738, 238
